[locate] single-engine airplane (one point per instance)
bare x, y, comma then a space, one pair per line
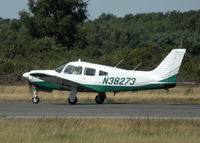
89, 77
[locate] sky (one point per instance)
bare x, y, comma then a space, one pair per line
11, 8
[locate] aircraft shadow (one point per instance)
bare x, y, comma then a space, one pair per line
83, 103
91, 104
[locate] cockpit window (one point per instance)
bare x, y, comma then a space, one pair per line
60, 68
90, 72
75, 70
102, 73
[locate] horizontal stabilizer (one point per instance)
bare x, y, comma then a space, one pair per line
180, 83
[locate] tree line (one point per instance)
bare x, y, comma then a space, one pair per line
53, 32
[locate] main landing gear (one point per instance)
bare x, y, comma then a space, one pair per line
73, 102
72, 97
100, 98
35, 99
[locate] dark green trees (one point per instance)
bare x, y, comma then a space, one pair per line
54, 18
55, 32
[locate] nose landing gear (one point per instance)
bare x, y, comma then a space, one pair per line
35, 99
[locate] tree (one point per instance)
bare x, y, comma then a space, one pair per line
54, 18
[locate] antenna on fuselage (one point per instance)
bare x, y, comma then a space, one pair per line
119, 63
137, 66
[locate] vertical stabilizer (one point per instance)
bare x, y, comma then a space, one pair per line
169, 67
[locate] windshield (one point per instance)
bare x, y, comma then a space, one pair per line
60, 68
75, 70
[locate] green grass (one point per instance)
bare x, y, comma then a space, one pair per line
99, 131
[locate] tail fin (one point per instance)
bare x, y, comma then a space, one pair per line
169, 67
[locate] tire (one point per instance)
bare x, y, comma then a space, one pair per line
99, 99
35, 100
73, 102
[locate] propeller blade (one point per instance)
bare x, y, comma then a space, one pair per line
30, 88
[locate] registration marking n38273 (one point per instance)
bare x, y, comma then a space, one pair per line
119, 81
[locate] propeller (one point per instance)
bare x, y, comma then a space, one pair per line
26, 76
31, 90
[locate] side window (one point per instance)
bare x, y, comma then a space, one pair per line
73, 70
90, 72
102, 73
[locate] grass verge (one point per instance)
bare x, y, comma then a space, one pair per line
182, 94
99, 131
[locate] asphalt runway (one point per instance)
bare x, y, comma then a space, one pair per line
63, 110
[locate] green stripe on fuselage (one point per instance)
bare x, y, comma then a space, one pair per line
107, 88
46, 85
104, 88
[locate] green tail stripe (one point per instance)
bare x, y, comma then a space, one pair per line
170, 79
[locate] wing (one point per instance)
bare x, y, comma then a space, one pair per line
62, 82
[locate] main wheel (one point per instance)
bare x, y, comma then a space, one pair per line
73, 102
99, 99
35, 100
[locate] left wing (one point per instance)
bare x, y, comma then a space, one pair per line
62, 82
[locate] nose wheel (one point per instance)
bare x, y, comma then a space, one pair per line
35, 99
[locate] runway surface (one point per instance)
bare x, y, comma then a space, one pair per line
59, 110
